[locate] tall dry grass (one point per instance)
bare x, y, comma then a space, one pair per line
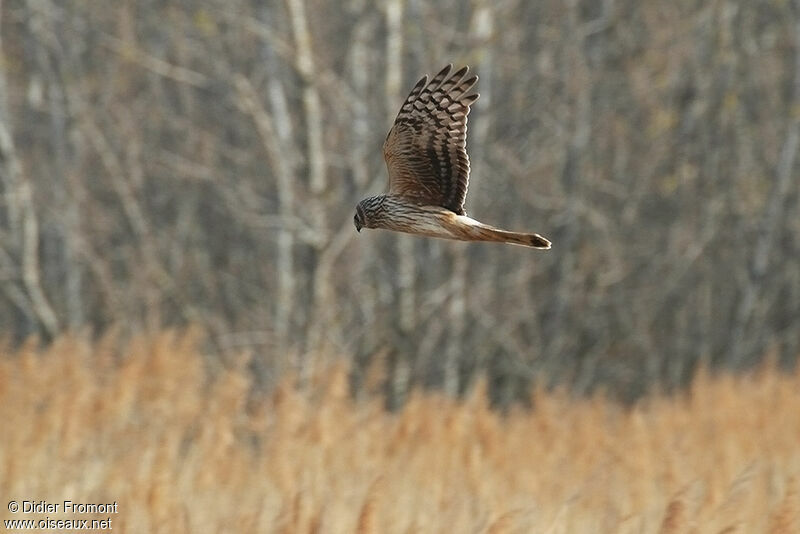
182, 449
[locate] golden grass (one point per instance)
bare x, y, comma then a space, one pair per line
184, 450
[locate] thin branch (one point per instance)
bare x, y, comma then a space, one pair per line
155, 65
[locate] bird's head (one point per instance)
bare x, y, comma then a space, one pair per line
359, 219
368, 212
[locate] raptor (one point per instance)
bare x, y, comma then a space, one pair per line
428, 165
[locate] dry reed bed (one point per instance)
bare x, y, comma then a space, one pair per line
184, 450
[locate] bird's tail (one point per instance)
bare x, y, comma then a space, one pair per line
484, 232
518, 238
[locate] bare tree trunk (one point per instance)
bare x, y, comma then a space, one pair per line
360, 147
69, 188
406, 267
20, 197
322, 304
311, 102
405, 244
275, 147
454, 352
570, 182
286, 207
23, 225
772, 219
12, 171
482, 29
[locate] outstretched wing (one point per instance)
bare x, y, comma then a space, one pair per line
426, 149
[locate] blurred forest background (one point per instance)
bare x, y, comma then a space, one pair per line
166, 163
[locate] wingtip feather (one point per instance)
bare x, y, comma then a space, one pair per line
445, 71
460, 73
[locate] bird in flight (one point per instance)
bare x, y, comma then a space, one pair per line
426, 154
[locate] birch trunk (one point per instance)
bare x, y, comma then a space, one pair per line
23, 224
405, 244
406, 267
315, 156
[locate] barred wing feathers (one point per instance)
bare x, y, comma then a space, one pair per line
425, 150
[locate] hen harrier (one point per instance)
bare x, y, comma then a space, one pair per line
428, 164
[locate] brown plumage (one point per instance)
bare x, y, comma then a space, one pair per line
428, 165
